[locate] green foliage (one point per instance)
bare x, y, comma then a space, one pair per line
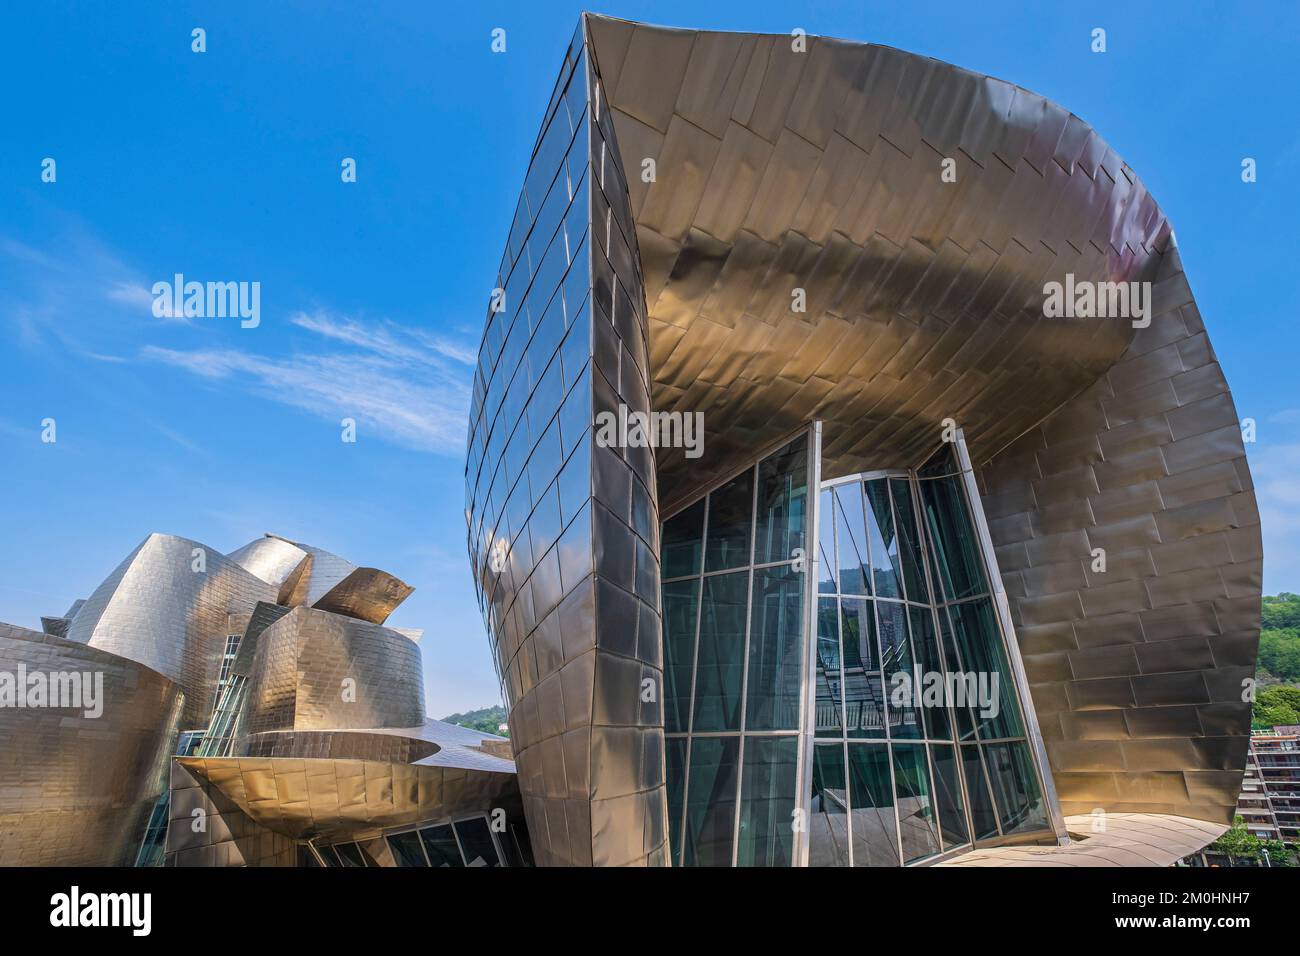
1277, 705
485, 720
1279, 638
1239, 844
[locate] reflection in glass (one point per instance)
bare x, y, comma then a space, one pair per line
981, 804
767, 792
775, 650
864, 698
910, 541
827, 569
930, 696
711, 801
683, 538
731, 510
476, 842
406, 849
883, 541
952, 535
916, 823
980, 644
850, 526
675, 761
1019, 801
782, 503
721, 654
680, 613
947, 796
828, 824
871, 806
901, 683
829, 720
440, 844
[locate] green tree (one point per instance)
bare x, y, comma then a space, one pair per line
1277, 705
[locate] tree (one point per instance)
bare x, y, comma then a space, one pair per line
1277, 705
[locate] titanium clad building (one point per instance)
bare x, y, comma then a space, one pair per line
961, 566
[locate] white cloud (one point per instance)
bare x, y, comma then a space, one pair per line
1276, 472
398, 383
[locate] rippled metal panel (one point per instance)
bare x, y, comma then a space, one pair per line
563, 532
77, 790
1139, 672
277, 562
158, 610
313, 670
367, 593
1125, 839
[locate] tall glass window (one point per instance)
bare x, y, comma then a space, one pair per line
734, 599
920, 744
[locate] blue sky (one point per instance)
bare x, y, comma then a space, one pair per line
225, 166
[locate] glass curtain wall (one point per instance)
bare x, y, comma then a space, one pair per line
734, 577
919, 746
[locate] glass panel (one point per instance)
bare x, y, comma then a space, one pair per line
884, 543
680, 614
406, 849
952, 536
864, 698
871, 803
440, 844
954, 672
675, 759
349, 854
308, 860
981, 804
828, 717
476, 842
850, 526
711, 801
1019, 801
900, 672
905, 519
767, 791
827, 569
775, 650
947, 796
930, 688
721, 655
682, 541
731, 511
828, 830
916, 822
988, 675
782, 503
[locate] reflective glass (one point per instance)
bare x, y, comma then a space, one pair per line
947, 796
883, 541
476, 842
731, 510
980, 643
775, 650
406, 848
675, 760
981, 804
1015, 788
721, 655
850, 528
680, 613
828, 825
901, 678
916, 821
349, 854
683, 538
929, 689
827, 569
440, 843
909, 540
864, 698
952, 536
767, 797
829, 720
711, 801
782, 503
871, 806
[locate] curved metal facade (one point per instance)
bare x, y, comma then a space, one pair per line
75, 790
852, 234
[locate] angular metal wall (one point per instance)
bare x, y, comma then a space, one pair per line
563, 532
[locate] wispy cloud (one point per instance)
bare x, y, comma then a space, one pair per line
1276, 472
399, 383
